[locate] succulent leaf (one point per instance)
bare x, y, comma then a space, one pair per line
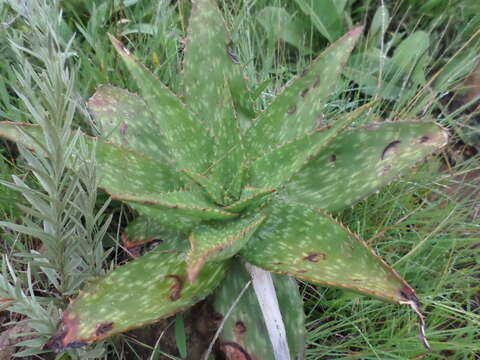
296, 110
220, 241
209, 59
212, 188
278, 166
186, 137
126, 120
310, 245
115, 164
251, 198
141, 292
361, 161
177, 209
244, 330
143, 230
228, 153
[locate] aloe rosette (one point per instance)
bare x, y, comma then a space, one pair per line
223, 185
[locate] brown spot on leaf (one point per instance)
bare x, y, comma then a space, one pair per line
123, 128
301, 271
292, 110
389, 148
315, 257
424, 139
233, 351
317, 82
176, 287
304, 72
304, 92
240, 328
103, 328
333, 158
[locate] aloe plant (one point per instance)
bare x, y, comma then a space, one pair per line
223, 185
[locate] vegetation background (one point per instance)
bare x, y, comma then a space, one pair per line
420, 59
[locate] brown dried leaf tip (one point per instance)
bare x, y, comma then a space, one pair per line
66, 336
411, 300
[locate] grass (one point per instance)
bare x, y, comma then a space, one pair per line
426, 224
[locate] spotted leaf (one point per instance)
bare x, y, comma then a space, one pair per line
361, 161
244, 331
295, 112
220, 241
209, 60
141, 292
179, 210
186, 137
114, 163
125, 120
310, 245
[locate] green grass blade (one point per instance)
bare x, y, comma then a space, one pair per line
363, 160
181, 336
219, 242
126, 120
308, 244
141, 292
186, 137
295, 111
244, 330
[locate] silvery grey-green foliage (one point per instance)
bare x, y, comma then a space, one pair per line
228, 182
60, 202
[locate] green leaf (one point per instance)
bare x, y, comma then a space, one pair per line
295, 111
379, 24
141, 292
244, 330
276, 167
362, 160
229, 152
114, 163
280, 25
325, 16
364, 69
220, 241
143, 230
209, 59
411, 56
186, 137
251, 198
213, 189
125, 120
177, 209
181, 336
308, 244
120, 171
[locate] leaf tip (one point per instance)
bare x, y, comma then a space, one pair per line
410, 299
